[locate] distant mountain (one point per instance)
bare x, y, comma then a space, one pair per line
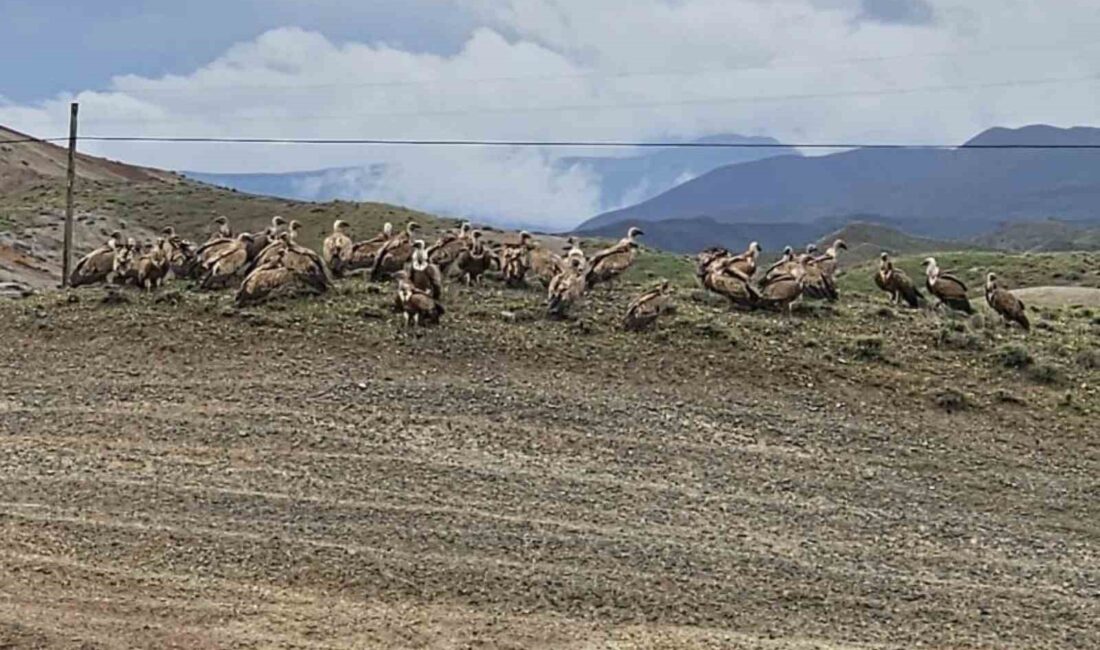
1048, 235
867, 241
621, 181
322, 185
946, 194
865, 238
636, 178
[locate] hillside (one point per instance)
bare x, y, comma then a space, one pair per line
1047, 235
308, 473
866, 241
944, 194
111, 195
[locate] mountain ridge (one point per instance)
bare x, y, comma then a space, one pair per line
956, 193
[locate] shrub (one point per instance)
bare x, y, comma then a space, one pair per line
1014, 356
1045, 373
867, 348
951, 400
958, 338
1089, 359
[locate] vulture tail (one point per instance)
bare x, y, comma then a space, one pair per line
912, 296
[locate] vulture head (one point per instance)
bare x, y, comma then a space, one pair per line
524, 237
411, 226
292, 229
633, 232
930, 267
884, 256
168, 231
387, 229
840, 244
990, 280
811, 249
340, 226
755, 247
465, 227
277, 222
221, 220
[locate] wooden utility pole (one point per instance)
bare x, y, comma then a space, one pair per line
67, 260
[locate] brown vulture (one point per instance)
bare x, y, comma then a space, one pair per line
418, 306
424, 275
646, 308
395, 253
97, 265
1005, 303
474, 259
897, 283
610, 263
566, 288
336, 250
947, 288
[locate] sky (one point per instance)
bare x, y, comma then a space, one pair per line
639, 70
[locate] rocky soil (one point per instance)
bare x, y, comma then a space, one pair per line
175, 473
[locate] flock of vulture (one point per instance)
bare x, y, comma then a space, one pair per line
272, 262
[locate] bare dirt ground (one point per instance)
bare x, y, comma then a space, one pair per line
1060, 296
174, 473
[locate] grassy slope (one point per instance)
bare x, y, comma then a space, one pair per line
190, 207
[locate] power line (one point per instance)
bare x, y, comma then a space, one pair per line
558, 143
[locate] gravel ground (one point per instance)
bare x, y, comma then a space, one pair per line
182, 476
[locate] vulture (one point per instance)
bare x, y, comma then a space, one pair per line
337, 248
745, 263
178, 254
828, 262
574, 250
646, 308
545, 264
122, 267
260, 240
474, 260
1005, 303
394, 254
783, 290
231, 259
278, 244
610, 263
418, 306
145, 270
515, 259
566, 288
947, 288
896, 282
731, 283
97, 265
815, 282
709, 258
305, 263
221, 230
447, 248
424, 275
267, 278
364, 252
783, 266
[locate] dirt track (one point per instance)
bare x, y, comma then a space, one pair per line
217, 482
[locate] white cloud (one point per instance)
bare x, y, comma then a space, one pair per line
542, 69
